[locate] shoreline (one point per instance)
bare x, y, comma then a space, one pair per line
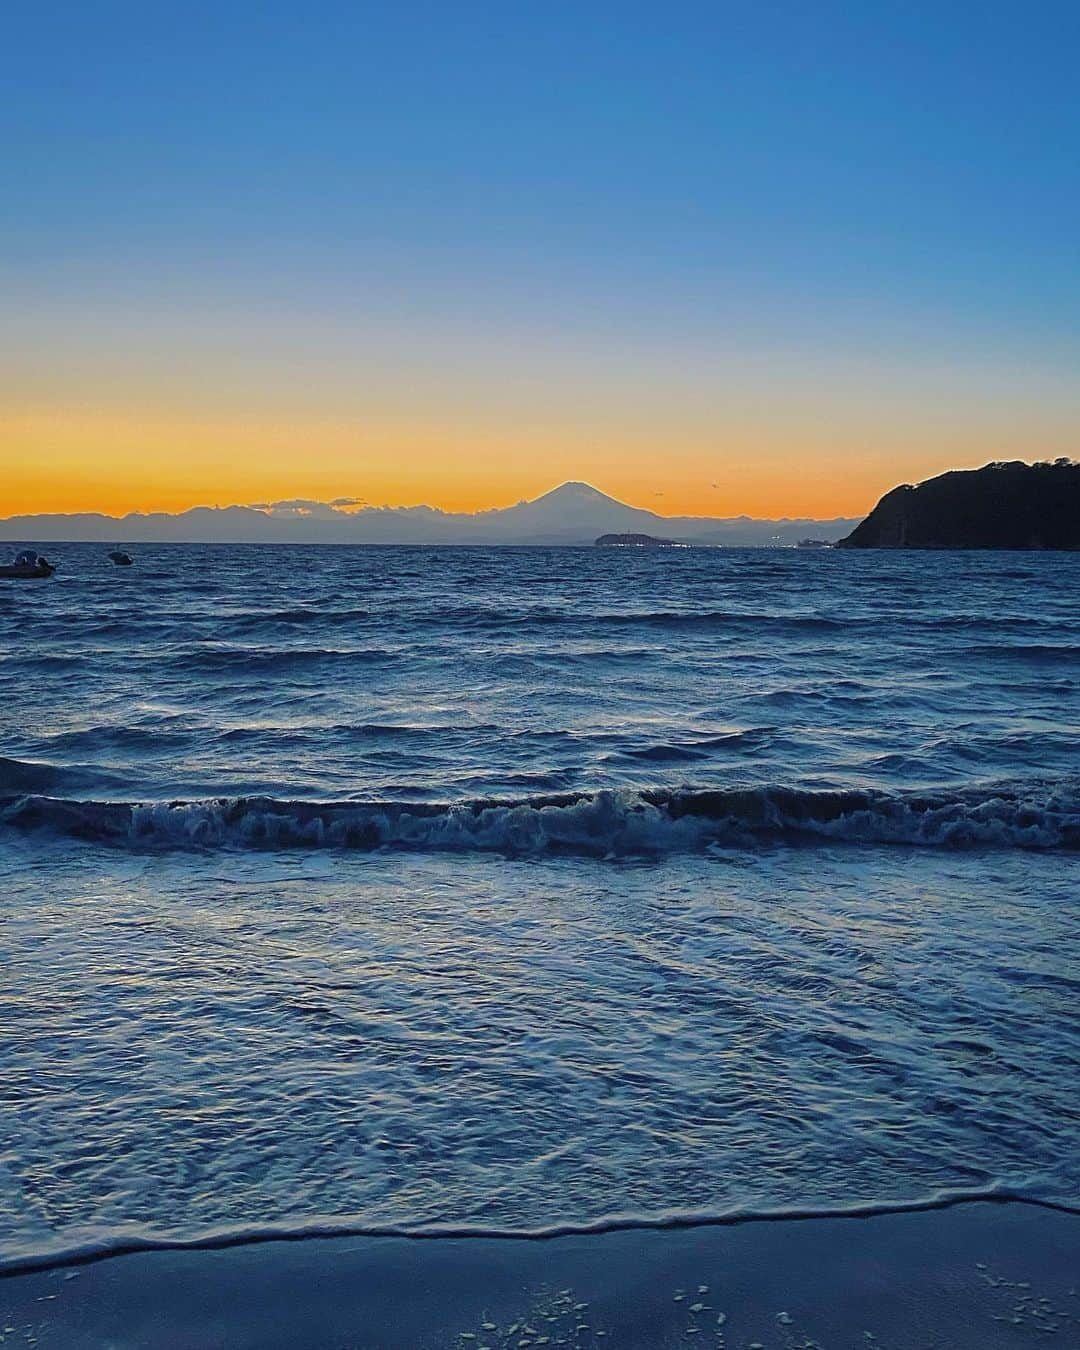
330, 1229
948, 1275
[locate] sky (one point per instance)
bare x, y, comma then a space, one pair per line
716, 258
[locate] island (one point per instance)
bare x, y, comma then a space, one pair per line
636, 541
1009, 505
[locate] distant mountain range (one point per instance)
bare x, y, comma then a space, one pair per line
1002, 505
574, 513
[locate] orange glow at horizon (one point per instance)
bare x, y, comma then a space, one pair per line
117, 464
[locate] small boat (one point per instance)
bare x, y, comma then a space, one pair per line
120, 558
28, 565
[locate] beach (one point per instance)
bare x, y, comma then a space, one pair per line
969, 1277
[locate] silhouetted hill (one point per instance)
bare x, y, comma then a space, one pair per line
1011, 505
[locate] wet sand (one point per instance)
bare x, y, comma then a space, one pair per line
979, 1275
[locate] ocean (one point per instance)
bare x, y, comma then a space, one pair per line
526, 891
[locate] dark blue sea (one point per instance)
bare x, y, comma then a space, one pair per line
523, 889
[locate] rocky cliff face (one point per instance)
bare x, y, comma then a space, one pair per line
1012, 505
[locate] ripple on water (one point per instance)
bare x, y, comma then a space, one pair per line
420, 1041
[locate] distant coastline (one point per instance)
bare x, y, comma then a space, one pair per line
574, 513
1011, 505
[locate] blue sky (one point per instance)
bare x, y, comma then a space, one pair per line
715, 189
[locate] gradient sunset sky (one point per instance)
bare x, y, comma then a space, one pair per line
715, 258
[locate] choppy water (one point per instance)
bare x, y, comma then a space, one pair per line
523, 888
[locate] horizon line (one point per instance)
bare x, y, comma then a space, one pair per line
342, 509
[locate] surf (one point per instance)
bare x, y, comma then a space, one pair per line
602, 823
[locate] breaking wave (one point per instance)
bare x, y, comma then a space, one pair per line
600, 824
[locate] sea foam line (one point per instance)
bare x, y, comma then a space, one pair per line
219, 1239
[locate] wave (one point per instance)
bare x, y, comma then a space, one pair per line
296, 617
485, 617
1024, 651
750, 740
216, 659
608, 823
19, 775
116, 736
218, 1239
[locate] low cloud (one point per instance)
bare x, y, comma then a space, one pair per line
292, 507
